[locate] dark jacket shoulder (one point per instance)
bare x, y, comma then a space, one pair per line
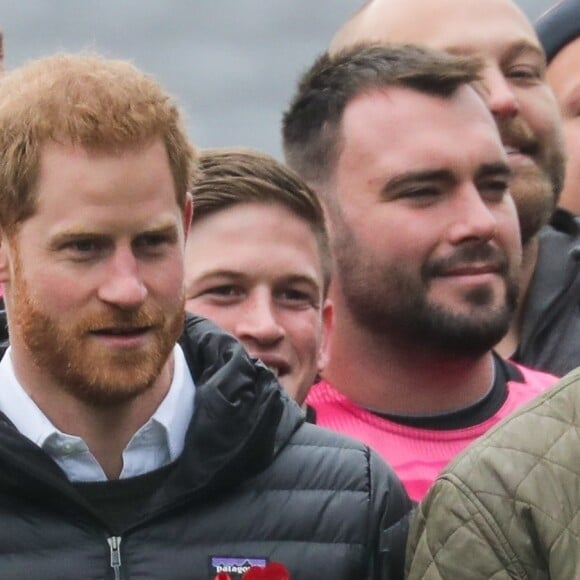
550, 331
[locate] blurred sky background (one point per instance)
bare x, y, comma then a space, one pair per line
232, 64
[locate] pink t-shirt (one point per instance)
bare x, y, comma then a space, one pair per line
417, 455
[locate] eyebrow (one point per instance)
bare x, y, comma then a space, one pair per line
73, 235
301, 278
238, 276
514, 50
523, 47
217, 272
416, 177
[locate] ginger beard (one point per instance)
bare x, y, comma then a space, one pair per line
77, 363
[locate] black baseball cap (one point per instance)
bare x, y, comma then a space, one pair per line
558, 26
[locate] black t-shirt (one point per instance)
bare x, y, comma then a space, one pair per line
121, 502
472, 415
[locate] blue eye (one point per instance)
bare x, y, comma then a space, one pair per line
154, 244
84, 248
225, 294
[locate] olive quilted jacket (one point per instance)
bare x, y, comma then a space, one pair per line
509, 506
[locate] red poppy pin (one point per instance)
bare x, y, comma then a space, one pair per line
273, 571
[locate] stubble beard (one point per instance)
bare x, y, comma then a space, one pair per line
534, 199
534, 188
391, 304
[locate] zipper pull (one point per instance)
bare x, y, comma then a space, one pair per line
115, 548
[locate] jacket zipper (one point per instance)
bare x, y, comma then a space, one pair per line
115, 549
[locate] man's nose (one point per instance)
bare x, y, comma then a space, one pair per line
472, 218
499, 94
123, 286
259, 321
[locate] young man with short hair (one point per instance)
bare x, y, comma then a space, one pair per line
258, 262
410, 166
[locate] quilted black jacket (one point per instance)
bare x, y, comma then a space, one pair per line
254, 482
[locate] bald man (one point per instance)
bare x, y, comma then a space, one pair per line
546, 329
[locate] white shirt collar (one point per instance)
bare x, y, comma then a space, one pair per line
157, 443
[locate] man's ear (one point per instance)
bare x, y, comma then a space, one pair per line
187, 213
327, 324
5, 261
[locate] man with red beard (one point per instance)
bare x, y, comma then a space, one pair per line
545, 330
412, 172
133, 442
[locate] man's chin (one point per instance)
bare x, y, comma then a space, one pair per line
108, 385
114, 394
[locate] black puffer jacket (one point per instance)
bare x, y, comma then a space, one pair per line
254, 481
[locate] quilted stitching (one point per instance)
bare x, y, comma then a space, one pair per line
509, 506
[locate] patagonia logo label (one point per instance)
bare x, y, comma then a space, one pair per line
236, 567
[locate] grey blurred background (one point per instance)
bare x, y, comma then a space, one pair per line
232, 64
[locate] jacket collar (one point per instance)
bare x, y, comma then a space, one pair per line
242, 417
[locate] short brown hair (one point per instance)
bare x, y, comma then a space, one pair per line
85, 100
312, 124
232, 176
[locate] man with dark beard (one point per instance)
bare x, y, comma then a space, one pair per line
135, 443
410, 166
545, 331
